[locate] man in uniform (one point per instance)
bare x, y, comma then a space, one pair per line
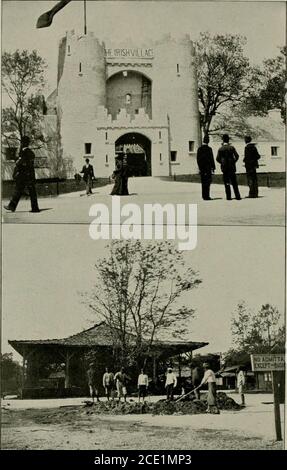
206, 165
24, 176
227, 156
251, 157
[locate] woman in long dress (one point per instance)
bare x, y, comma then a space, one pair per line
120, 176
209, 378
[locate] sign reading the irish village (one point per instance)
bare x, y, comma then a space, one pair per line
132, 53
267, 362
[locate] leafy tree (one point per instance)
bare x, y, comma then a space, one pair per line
270, 88
223, 74
11, 374
256, 332
212, 359
23, 82
137, 293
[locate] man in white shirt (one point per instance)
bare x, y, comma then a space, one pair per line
142, 385
241, 384
210, 379
170, 383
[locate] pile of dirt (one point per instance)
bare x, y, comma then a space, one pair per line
225, 402
184, 407
162, 407
118, 408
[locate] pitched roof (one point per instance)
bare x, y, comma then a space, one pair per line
100, 335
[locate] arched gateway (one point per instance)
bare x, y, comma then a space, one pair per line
138, 149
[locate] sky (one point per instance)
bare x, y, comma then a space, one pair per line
46, 267
263, 24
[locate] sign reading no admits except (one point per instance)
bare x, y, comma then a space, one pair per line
267, 362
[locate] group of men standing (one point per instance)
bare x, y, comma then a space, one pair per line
227, 157
115, 384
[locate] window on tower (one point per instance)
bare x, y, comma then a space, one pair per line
128, 98
191, 146
274, 151
173, 155
88, 148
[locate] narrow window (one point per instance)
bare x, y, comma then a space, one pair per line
69, 49
159, 135
177, 68
173, 155
191, 146
128, 98
107, 159
106, 136
136, 111
88, 148
160, 157
80, 67
274, 151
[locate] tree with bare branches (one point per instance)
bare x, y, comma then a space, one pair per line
137, 292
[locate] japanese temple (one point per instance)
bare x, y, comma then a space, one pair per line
58, 367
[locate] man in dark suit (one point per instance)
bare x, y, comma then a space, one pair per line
251, 157
227, 156
24, 176
88, 176
206, 165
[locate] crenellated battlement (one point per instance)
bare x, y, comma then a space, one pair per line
107, 90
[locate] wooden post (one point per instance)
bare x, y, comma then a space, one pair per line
154, 371
67, 370
275, 385
23, 374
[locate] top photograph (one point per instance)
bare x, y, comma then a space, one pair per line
143, 110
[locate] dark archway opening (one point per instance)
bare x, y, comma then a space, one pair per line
138, 150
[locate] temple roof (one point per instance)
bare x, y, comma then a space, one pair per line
100, 335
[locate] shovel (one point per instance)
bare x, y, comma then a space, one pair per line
186, 394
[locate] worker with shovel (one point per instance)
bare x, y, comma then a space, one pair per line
210, 380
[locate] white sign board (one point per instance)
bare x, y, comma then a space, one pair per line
267, 362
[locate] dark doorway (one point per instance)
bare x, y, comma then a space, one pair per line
138, 150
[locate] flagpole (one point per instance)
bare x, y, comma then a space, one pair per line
85, 17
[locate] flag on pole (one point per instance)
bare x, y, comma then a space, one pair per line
46, 19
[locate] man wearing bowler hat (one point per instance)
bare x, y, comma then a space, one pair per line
24, 176
227, 156
251, 157
206, 165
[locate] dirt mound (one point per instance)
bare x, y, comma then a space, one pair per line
162, 407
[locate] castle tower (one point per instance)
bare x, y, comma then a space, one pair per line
81, 89
175, 94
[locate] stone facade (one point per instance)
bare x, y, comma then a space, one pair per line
107, 92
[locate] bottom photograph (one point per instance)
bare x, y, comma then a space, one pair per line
133, 344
